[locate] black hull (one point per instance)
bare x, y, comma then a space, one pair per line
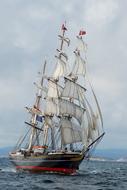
65, 163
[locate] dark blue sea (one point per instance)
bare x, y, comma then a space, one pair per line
93, 175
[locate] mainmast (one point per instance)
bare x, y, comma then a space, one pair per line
54, 90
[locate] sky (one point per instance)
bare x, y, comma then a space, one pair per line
28, 36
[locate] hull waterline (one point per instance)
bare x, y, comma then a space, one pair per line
66, 164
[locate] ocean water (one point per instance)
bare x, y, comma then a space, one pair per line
93, 175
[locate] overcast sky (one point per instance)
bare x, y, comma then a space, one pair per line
28, 36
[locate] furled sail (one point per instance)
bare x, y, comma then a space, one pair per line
70, 132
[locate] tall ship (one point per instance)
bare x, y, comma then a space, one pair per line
65, 122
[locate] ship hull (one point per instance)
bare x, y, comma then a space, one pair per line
65, 163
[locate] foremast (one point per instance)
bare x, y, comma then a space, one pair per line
35, 111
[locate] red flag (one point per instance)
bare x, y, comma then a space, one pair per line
82, 32
63, 27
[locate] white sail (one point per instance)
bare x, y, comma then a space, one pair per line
61, 68
93, 128
69, 108
87, 129
91, 116
84, 126
89, 125
81, 44
99, 110
70, 132
54, 90
79, 67
63, 107
51, 107
72, 89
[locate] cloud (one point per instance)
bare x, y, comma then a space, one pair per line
100, 12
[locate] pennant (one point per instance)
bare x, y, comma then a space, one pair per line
63, 27
82, 32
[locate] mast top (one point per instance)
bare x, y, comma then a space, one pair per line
81, 33
64, 28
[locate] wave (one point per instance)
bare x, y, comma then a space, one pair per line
8, 169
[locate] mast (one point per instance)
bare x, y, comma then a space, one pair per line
61, 66
65, 56
54, 89
62, 41
36, 107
